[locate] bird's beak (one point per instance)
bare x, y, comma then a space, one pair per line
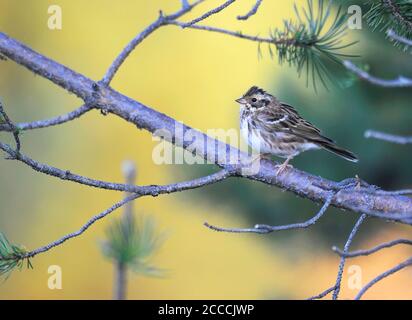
241, 101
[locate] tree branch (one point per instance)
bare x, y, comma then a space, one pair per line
303, 184
49, 122
140, 190
12, 126
86, 226
209, 13
343, 258
161, 21
145, 191
391, 34
252, 11
261, 228
322, 294
397, 14
236, 34
367, 252
387, 137
383, 275
400, 82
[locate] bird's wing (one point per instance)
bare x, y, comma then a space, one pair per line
284, 118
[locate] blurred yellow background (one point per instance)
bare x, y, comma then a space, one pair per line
190, 75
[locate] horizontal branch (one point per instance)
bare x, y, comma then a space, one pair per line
262, 228
367, 252
301, 183
236, 34
387, 137
383, 275
391, 34
399, 82
153, 190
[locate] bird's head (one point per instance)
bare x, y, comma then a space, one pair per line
255, 98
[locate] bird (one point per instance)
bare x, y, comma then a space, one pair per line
272, 127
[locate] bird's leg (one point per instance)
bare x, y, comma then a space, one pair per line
259, 157
284, 165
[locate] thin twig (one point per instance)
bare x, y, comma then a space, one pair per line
140, 190
252, 11
343, 259
387, 137
391, 34
322, 294
49, 122
236, 34
209, 13
393, 7
394, 193
400, 82
383, 275
262, 229
367, 252
82, 229
155, 190
159, 22
12, 127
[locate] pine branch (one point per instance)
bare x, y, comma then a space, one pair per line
11, 257
13, 128
387, 137
367, 252
308, 44
395, 15
343, 258
392, 34
209, 13
252, 11
400, 82
263, 229
48, 122
382, 276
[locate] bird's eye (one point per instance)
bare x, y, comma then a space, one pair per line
254, 100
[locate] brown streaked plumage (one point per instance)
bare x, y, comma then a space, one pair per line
273, 127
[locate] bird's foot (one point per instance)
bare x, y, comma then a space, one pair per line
283, 166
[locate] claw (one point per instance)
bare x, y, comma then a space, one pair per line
284, 165
282, 168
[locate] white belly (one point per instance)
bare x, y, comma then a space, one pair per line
254, 139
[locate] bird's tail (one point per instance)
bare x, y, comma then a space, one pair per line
346, 154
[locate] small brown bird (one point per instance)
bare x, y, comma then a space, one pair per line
272, 127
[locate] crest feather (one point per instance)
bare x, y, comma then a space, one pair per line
253, 90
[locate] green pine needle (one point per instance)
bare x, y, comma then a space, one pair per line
11, 257
311, 47
397, 17
133, 244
